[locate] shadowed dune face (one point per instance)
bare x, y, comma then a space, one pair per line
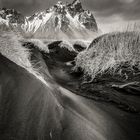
61, 53
28, 109
35, 109
31, 110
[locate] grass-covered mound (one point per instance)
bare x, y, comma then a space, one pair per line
113, 54
11, 47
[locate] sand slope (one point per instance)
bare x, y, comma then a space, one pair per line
31, 110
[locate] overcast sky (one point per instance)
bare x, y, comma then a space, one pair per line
110, 14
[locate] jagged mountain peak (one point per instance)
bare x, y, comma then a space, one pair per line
11, 16
59, 7
63, 20
77, 3
60, 3
75, 7
62, 8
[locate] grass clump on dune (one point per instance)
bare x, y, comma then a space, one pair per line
12, 49
36, 43
114, 53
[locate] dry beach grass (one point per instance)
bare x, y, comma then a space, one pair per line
110, 54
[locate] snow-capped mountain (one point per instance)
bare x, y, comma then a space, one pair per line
62, 21
11, 16
85, 17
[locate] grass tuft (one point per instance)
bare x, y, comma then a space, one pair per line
112, 53
12, 48
38, 44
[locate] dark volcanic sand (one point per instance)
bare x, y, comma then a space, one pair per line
122, 104
31, 110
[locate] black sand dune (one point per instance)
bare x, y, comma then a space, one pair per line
105, 88
122, 96
32, 110
61, 53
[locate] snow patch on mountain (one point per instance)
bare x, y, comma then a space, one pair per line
62, 21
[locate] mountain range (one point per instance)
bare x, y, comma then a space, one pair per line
61, 21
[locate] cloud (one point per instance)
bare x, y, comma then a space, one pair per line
27, 7
127, 9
